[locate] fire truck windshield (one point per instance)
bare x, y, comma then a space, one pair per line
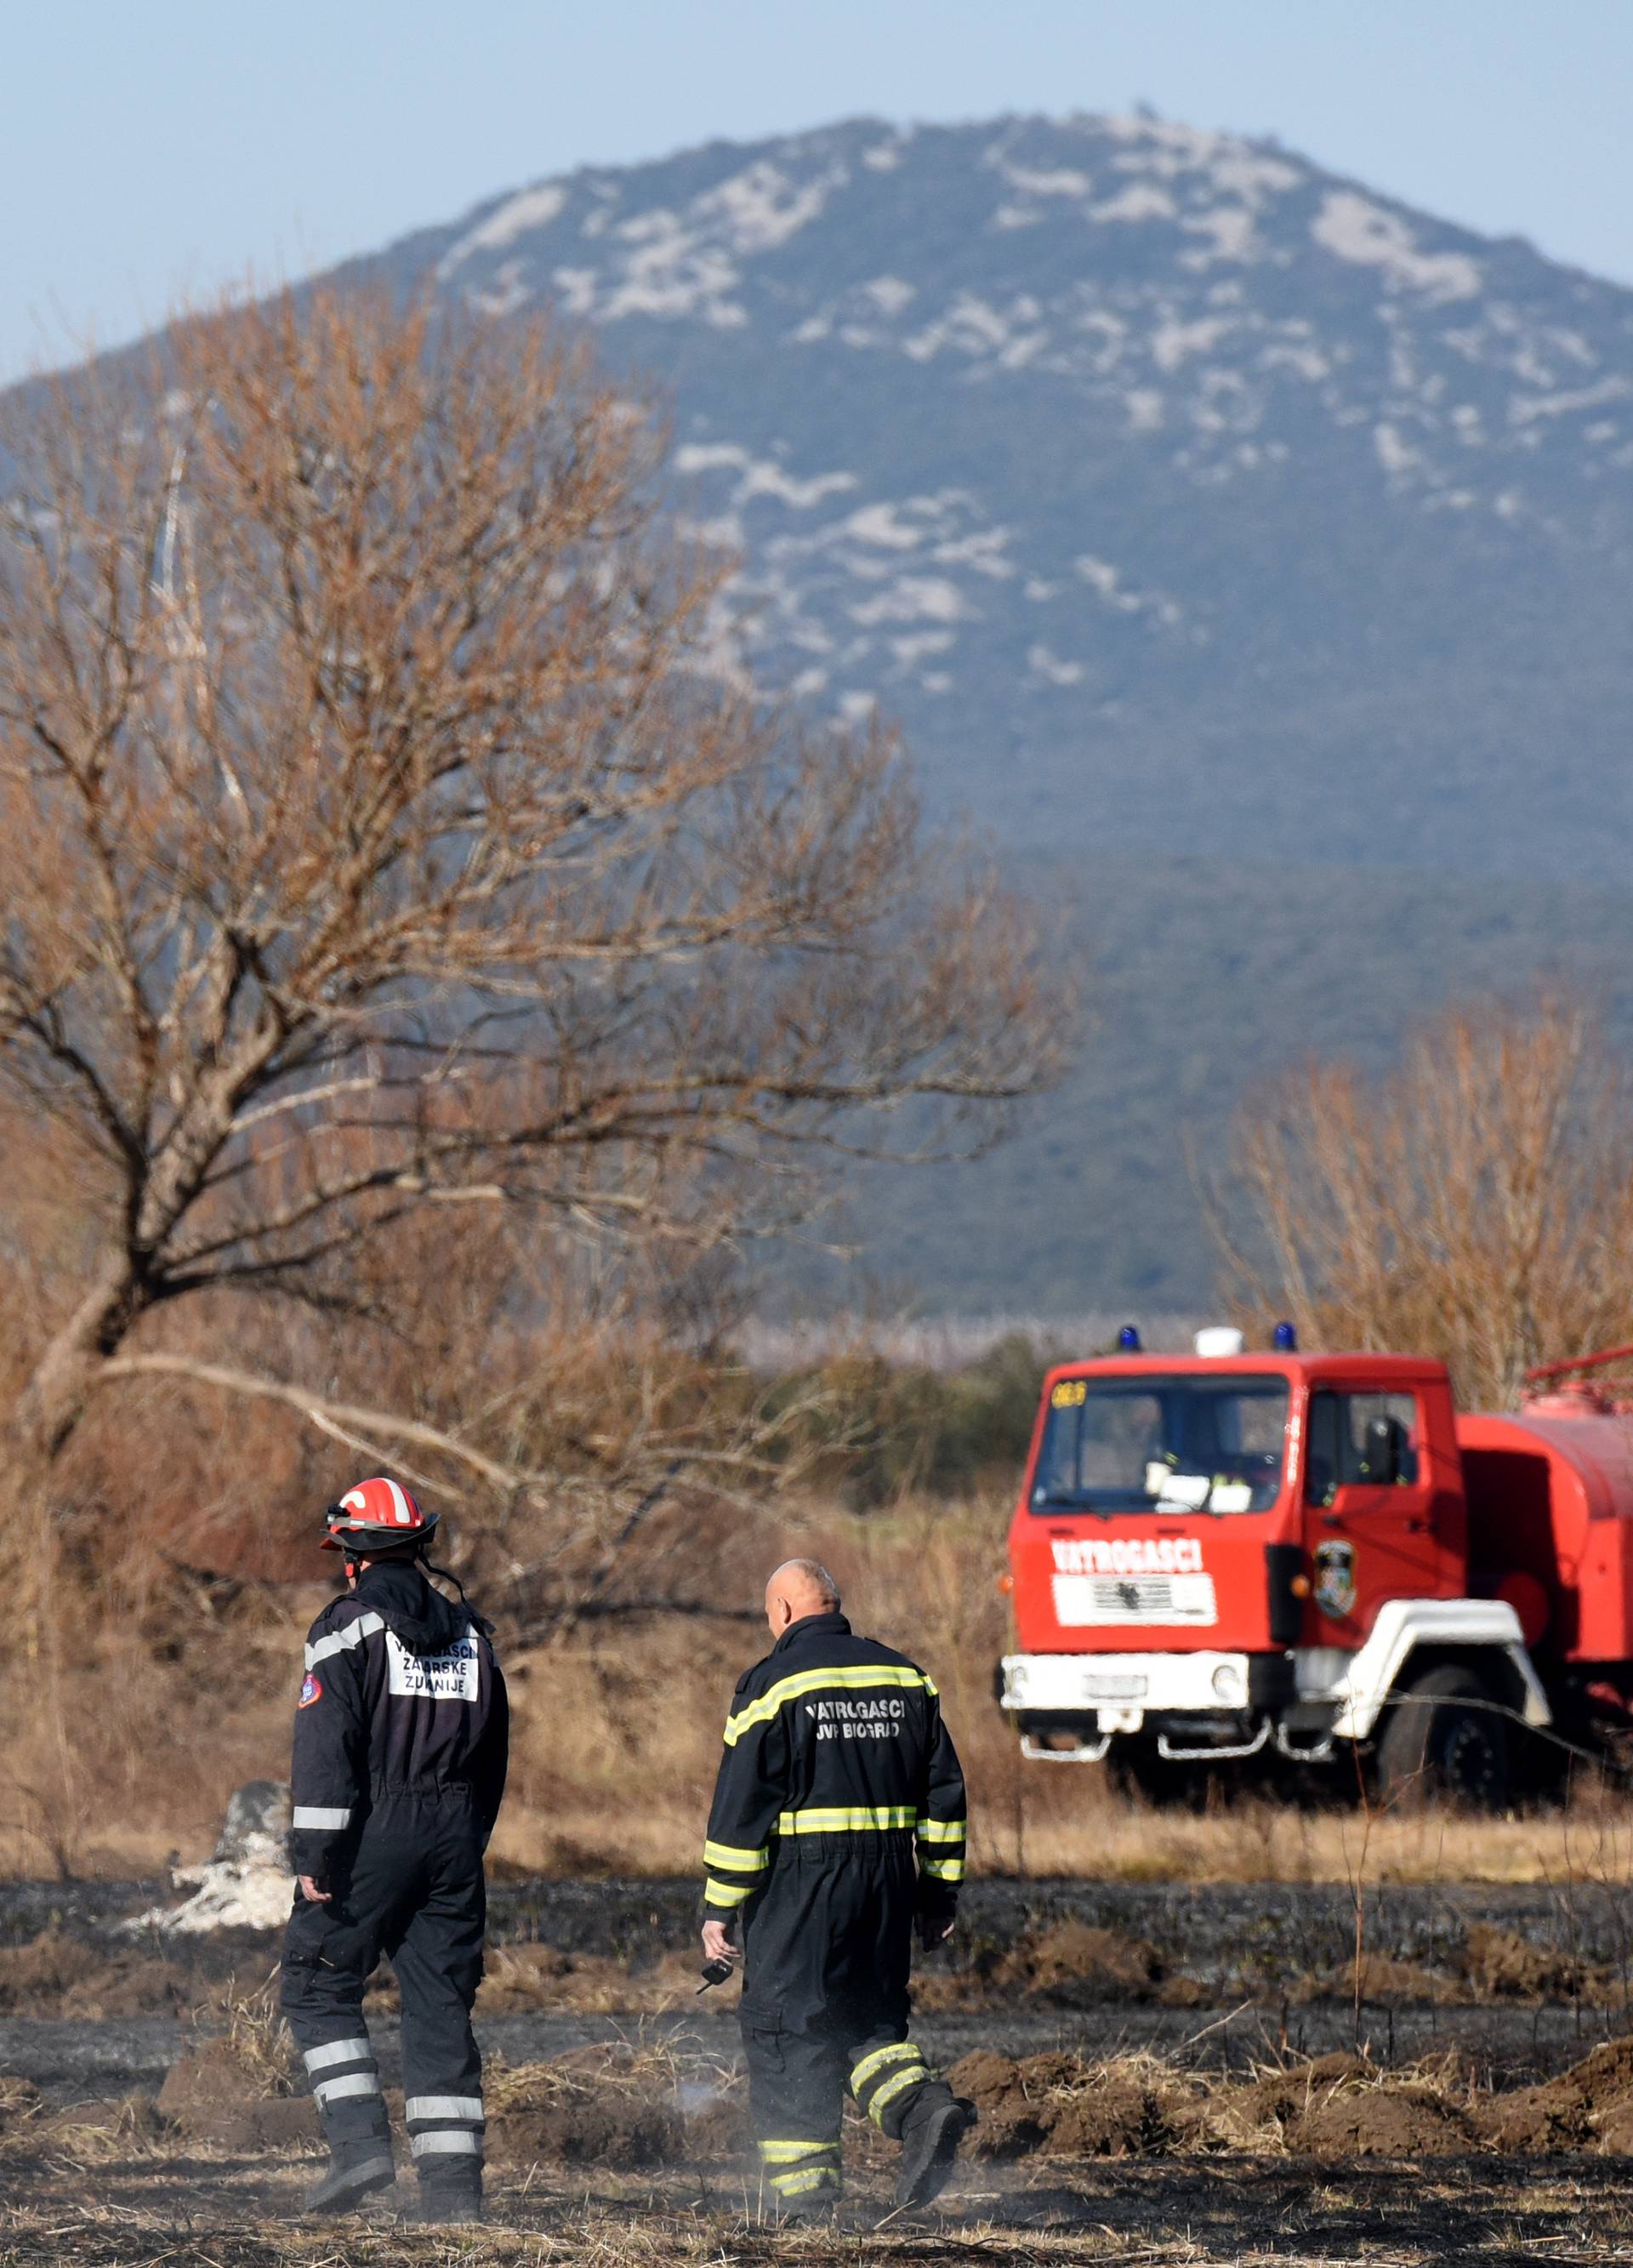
1153, 1444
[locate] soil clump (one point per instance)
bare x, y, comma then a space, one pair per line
57, 1975
1589, 2106
612, 2105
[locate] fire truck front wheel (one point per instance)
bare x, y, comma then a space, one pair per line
1442, 1738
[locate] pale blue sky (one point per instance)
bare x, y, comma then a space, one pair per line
156, 150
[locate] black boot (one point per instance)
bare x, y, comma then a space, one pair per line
355, 2172
934, 2124
444, 2202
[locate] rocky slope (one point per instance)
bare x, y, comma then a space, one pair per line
1249, 551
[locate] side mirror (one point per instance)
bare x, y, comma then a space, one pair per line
1383, 1451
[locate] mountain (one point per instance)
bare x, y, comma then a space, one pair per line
1249, 552
1178, 496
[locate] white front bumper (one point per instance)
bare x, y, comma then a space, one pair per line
1123, 1687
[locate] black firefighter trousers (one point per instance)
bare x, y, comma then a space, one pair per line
828, 1950
411, 1887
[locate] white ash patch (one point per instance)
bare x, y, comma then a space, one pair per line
245, 1883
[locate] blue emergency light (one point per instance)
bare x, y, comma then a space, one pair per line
1129, 1340
1286, 1340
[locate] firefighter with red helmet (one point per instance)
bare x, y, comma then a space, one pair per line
400, 1748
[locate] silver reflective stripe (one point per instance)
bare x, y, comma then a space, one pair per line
337, 1641
444, 2141
444, 2106
333, 2051
356, 2082
318, 1814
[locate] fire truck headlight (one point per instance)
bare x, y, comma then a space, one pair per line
1229, 1685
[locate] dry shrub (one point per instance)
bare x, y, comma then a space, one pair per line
20, 2103
1057, 1964
1501, 1965
617, 1732
1376, 1978
1475, 1204
256, 2043
128, 2128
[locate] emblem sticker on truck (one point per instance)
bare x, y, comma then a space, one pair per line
1335, 1579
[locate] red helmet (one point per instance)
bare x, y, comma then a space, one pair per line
377, 1515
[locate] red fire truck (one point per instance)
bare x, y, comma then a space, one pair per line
1313, 1557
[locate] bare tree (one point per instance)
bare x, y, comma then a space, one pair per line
1475, 1204
382, 832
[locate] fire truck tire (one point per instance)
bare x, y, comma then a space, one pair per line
1441, 1739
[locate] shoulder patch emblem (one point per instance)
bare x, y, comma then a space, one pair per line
312, 1690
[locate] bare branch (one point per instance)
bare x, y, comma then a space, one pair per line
342, 1419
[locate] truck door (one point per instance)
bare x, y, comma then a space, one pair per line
1368, 1497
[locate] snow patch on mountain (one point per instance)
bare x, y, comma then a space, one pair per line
1352, 227
760, 477
517, 216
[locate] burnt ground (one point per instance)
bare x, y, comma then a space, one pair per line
1186, 2073
1520, 1980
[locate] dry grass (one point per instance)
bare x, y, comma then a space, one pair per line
100, 2187
617, 1739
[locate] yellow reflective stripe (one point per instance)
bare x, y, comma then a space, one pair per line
813, 2177
820, 1681
840, 1819
941, 1831
897, 2085
785, 2153
725, 1893
943, 1870
735, 1861
898, 2052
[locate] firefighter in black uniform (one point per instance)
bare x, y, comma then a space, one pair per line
400, 1747
838, 1826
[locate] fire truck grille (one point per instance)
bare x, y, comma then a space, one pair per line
1083, 1600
